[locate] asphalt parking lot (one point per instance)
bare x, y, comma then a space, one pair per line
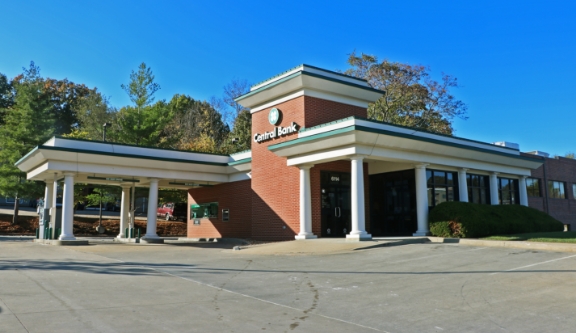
210, 288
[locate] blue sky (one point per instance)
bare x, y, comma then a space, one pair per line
514, 59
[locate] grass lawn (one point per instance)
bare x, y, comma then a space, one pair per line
552, 237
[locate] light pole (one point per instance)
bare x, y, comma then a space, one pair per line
104, 132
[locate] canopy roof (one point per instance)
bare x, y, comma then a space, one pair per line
112, 163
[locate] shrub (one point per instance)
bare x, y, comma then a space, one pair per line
463, 219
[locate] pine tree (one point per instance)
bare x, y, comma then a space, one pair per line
27, 124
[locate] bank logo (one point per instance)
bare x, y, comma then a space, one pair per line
274, 116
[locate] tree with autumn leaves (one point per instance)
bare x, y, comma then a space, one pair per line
412, 97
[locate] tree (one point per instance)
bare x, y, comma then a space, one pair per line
92, 112
242, 123
412, 98
102, 195
145, 127
28, 123
141, 89
242, 131
195, 125
64, 97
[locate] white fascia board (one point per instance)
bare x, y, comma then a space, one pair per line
328, 128
240, 156
427, 135
277, 78
336, 88
112, 161
315, 94
335, 76
126, 171
323, 144
395, 156
131, 150
404, 156
32, 161
239, 168
36, 171
324, 156
273, 93
312, 70
277, 101
313, 86
239, 176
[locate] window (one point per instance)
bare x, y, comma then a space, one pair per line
533, 187
508, 191
556, 190
441, 185
205, 210
477, 188
574, 191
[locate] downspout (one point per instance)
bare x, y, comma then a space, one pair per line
545, 186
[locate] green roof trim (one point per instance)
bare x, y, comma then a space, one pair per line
303, 129
135, 146
392, 133
26, 156
243, 161
291, 76
304, 65
241, 152
95, 152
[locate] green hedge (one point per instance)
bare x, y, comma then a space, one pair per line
468, 220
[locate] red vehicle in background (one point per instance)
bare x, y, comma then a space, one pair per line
172, 211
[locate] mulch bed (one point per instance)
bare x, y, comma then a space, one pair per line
87, 226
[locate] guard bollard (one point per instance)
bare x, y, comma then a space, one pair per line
138, 232
131, 232
126, 233
50, 230
37, 233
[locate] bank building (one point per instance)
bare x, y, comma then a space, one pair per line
317, 168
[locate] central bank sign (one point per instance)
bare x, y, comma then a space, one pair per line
275, 117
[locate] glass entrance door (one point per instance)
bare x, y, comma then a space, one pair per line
393, 204
335, 201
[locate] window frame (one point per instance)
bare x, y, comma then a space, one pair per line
562, 189
485, 179
433, 186
530, 188
513, 191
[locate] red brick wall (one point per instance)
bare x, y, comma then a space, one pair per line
236, 196
275, 196
320, 111
562, 170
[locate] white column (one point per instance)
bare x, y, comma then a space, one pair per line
523, 191
68, 208
462, 185
48, 194
52, 203
133, 206
124, 207
494, 189
152, 206
358, 231
421, 200
305, 204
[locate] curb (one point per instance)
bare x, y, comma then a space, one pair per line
557, 247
